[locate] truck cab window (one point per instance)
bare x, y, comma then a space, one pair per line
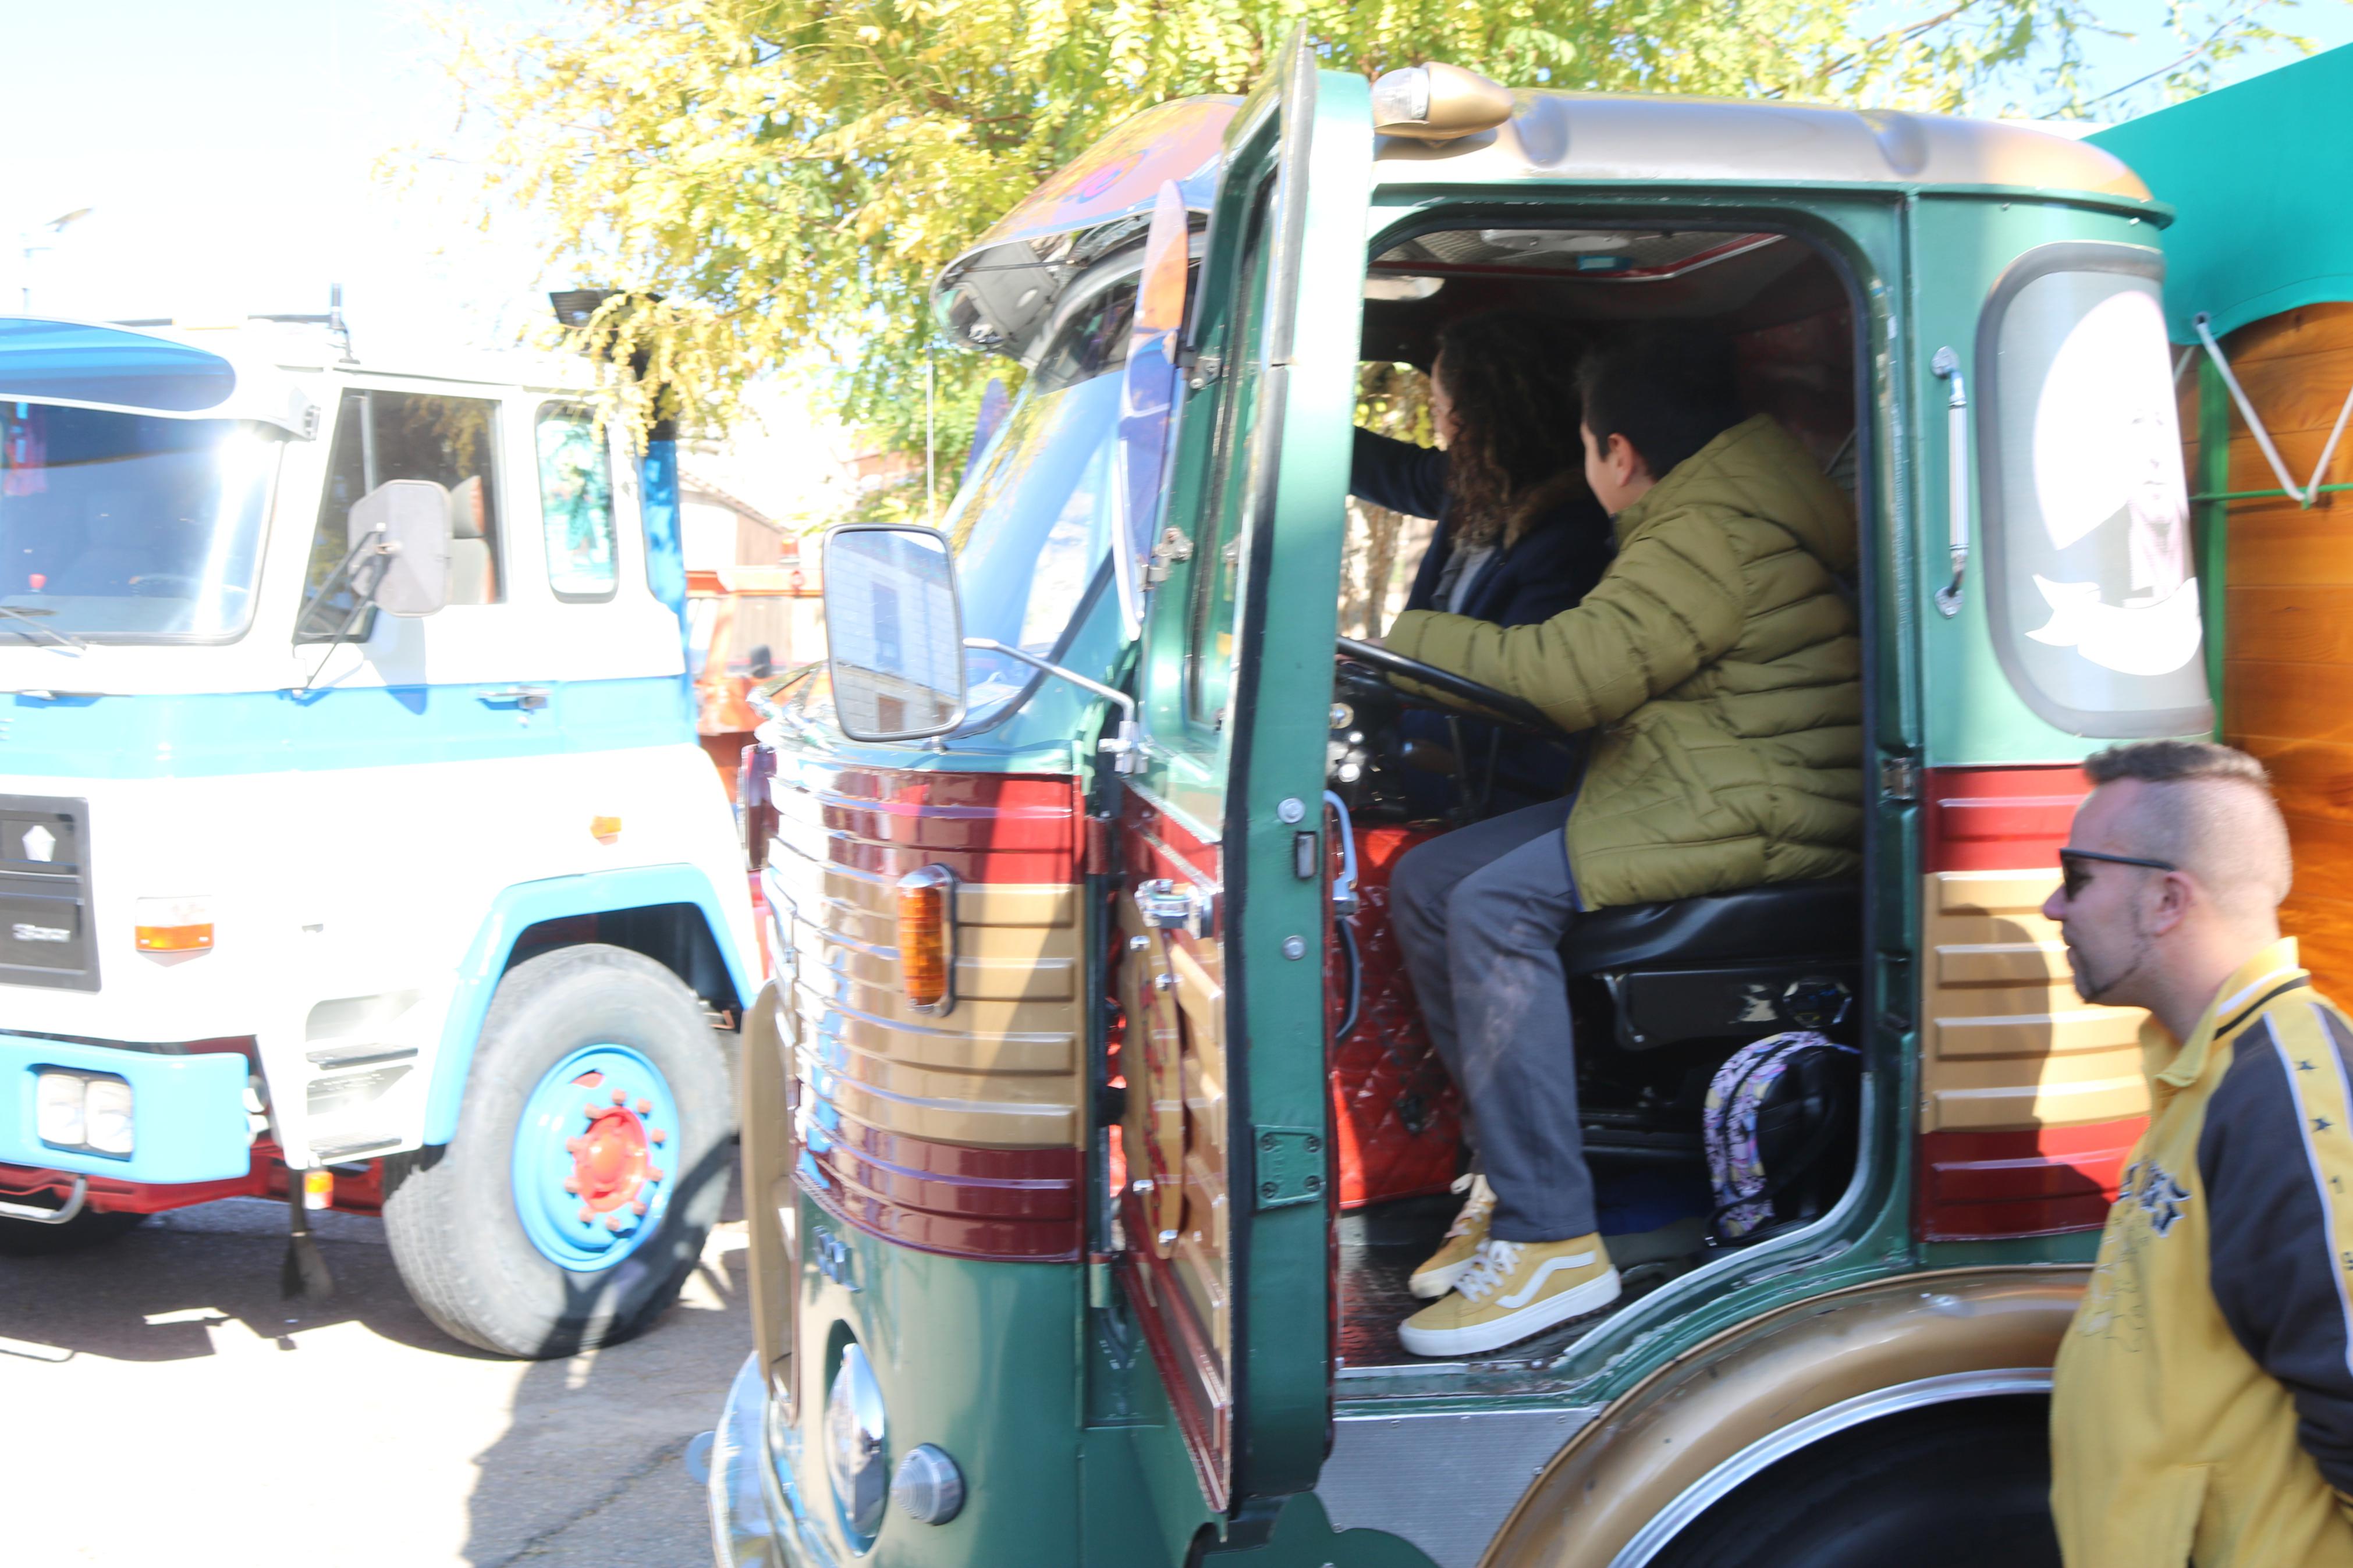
2093, 605
576, 503
1216, 581
120, 527
386, 436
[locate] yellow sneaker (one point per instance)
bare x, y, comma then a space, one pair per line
1512, 1290
1437, 1277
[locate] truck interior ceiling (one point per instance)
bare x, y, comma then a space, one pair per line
1662, 996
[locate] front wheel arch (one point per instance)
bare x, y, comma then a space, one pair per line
1660, 1441
1954, 1485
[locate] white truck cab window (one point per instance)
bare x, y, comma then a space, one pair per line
576, 503
118, 527
384, 435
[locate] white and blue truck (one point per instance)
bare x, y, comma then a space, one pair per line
356, 845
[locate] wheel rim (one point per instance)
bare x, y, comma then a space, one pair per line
594, 1157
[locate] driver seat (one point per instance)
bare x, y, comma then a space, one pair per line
1732, 967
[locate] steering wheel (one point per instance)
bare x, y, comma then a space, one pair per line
1514, 711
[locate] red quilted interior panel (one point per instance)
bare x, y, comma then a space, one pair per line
1398, 1114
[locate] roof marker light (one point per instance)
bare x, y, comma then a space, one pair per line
1438, 102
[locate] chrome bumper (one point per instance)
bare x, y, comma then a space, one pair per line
757, 1519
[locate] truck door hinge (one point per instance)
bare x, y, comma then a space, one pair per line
1899, 780
1290, 1164
1170, 548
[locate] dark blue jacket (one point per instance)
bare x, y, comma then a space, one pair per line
1552, 567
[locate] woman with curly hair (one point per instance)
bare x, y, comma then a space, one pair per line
1520, 537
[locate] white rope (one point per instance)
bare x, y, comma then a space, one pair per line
2306, 496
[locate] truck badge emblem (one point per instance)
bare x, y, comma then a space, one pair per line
40, 844
25, 931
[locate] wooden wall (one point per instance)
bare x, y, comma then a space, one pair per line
2287, 648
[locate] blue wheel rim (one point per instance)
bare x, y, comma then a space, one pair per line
594, 1157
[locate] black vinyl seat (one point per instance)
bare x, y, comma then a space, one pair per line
1755, 925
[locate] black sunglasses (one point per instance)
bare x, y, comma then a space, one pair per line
2073, 876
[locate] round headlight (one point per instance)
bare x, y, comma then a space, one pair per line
855, 1454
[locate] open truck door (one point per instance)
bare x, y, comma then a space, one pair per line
1223, 1223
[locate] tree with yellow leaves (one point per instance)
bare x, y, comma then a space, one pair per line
764, 181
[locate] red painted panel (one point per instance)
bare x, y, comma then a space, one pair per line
2001, 819
1003, 1203
355, 1192
985, 827
1975, 1185
1012, 1240
1190, 1368
1155, 843
2036, 1181
1395, 1115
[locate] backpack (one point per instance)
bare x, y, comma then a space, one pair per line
1780, 1130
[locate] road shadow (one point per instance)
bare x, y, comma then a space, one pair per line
588, 1473
150, 1295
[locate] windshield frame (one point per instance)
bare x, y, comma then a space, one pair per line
272, 442
1124, 267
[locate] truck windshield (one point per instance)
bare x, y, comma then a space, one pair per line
120, 527
1033, 530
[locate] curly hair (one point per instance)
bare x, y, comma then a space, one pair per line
1512, 376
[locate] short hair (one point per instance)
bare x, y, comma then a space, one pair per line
1668, 390
2210, 811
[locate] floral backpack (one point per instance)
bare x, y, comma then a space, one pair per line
1780, 1129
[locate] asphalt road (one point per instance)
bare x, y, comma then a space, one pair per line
164, 1405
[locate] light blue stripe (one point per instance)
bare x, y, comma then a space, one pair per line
210, 735
519, 908
187, 1112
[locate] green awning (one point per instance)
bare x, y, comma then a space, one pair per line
2257, 174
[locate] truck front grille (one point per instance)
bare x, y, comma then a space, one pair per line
45, 937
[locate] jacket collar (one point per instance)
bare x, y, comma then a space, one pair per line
2240, 998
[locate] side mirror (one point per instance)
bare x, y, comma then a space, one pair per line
410, 521
893, 632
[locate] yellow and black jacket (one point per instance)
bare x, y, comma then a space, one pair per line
2202, 1411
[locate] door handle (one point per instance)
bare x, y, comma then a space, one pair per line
526, 697
1947, 366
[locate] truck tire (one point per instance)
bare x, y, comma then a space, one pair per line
590, 1160
24, 1238
1965, 1485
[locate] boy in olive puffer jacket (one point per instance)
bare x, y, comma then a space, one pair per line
1717, 662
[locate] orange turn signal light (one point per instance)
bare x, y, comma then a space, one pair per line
172, 925
927, 938
173, 939
604, 829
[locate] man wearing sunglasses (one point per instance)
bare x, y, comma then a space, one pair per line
2202, 1403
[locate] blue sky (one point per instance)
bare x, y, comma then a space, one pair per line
228, 151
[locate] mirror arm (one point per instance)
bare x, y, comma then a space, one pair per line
1127, 749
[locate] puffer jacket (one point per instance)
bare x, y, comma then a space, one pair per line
1718, 657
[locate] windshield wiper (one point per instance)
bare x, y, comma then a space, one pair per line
62, 639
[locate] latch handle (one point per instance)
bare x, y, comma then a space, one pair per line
1169, 905
1947, 366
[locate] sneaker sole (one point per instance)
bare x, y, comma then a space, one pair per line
1590, 1297
1432, 1283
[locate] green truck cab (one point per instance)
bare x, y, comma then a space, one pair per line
1087, 1135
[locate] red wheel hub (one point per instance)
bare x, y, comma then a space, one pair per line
609, 1161
612, 1162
